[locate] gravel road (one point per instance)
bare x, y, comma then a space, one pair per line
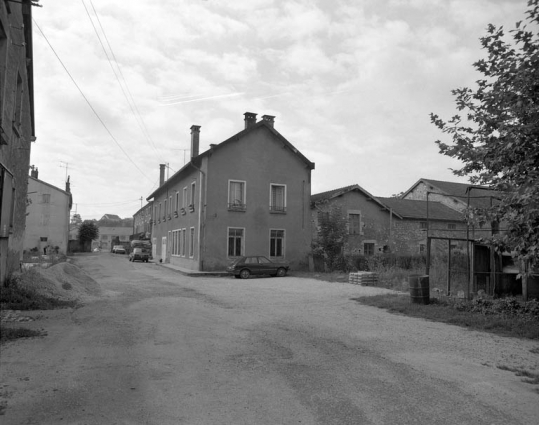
153, 346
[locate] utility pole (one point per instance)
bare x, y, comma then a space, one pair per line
141, 202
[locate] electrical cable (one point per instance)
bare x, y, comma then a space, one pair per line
87, 101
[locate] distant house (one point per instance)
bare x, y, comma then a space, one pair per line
383, 225
17, 128
109, 233
247, 195
47, 216
457, 196
142, 222
110, 217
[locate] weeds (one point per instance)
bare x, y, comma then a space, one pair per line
9, 334
523, 324
528, 377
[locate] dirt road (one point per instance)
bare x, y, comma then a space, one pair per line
157, 347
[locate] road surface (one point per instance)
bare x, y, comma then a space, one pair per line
158, 347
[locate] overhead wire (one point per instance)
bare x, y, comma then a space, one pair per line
119, 75
87, 101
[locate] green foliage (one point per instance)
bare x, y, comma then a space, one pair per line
332, 237
497, 142
88, 231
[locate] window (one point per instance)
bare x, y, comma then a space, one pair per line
235, 242
277, 197
170, 205
3, 59
177, 201
7, 202
183, 242
451, 226
165, 210
423, 225
192, 242
193, 187
236, 195
422, 248
104, 237
368, 248
159, 216
46, 198
184, 197
276, 243
17, 104
155, 215
354, 223
176, 242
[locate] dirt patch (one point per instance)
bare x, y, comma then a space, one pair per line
64, 281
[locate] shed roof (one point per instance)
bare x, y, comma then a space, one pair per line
413, 209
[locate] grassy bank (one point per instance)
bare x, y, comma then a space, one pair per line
505, 316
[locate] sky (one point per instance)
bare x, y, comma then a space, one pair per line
118, 84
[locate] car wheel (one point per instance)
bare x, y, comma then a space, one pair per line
245, 273
281, 272
237, 276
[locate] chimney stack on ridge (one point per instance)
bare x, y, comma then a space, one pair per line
250, 119
270, 119
195, 140
162, 174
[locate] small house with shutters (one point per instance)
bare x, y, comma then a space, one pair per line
248, 195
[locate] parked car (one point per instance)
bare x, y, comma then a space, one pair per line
244, 267
118, 249
139, 254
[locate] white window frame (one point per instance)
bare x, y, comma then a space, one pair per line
243, 244
184, 201
233, 204
191, 242
193, 193
272, 207
184, 242
177, 201
283, 247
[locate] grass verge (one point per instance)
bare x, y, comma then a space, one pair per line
457, 313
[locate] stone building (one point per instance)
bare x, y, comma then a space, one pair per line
17, 129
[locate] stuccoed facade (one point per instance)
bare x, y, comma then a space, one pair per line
248, 195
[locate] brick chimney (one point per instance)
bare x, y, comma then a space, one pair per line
270, 119
195, 140
162, 174
34, 173
250, 119
68, 185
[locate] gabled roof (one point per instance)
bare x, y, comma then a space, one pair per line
413, 209
195, 162
111, 217
68, 194
480, 196
331, 194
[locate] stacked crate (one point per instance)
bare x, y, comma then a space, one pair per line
363, 278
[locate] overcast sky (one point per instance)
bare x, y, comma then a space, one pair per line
351, 83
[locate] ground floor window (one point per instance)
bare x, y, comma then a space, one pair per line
235, 242
183, 242
368, 248
276, 243
192, 242
176, 242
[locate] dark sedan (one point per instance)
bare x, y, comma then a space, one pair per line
244, 267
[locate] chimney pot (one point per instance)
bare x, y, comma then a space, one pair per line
195, 140
161, 174
270, 119
250, 119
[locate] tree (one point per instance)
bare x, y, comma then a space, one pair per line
332, 236
498, 142
76, 220
88, 231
